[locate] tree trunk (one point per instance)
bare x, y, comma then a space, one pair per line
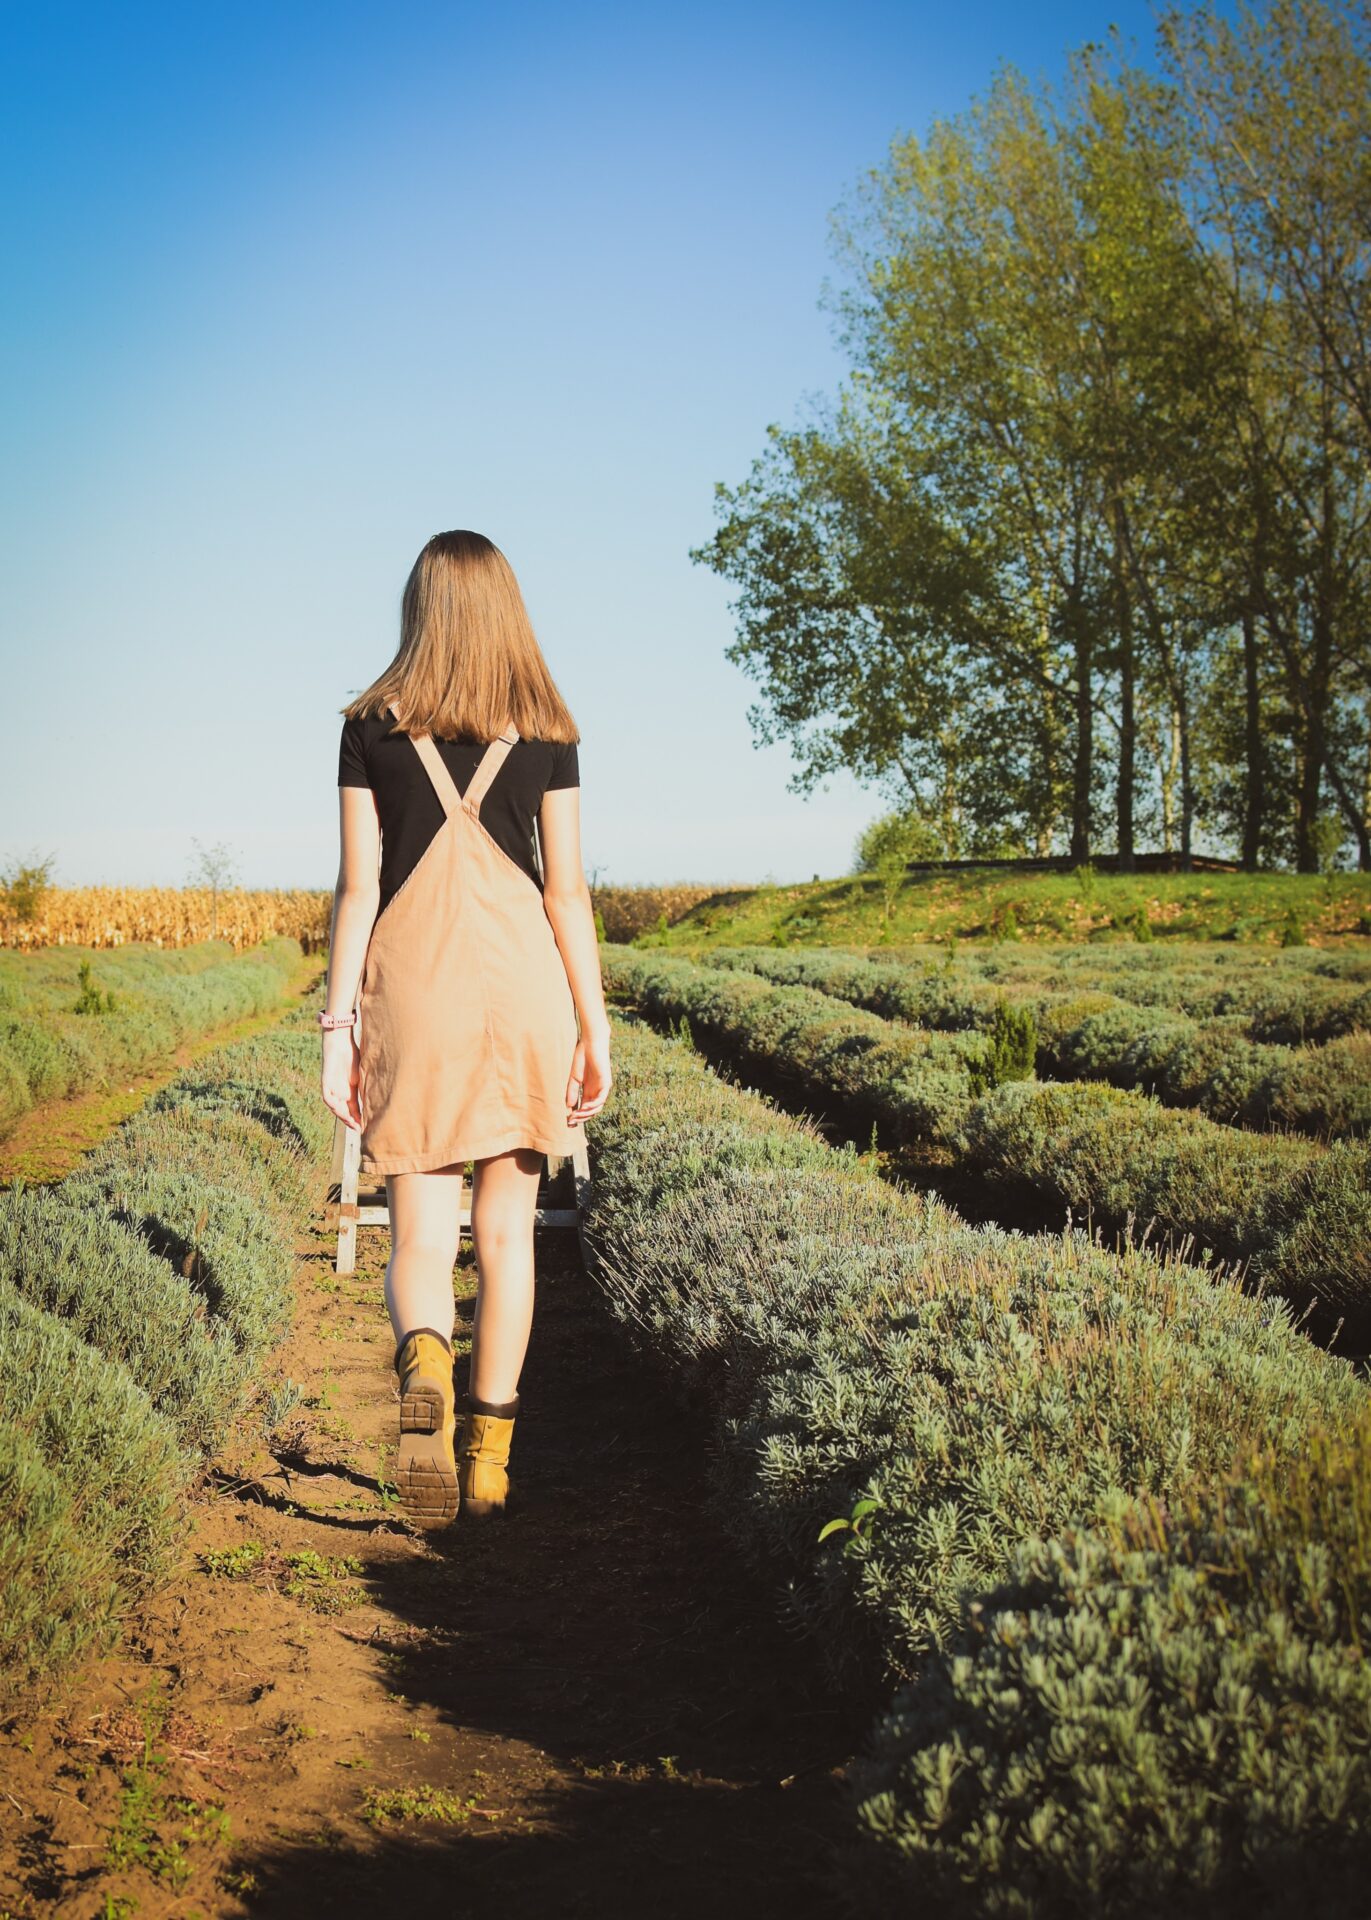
1316, 690
1252, 747
1315, 705
1307, 795
1187, 781
1127, 733
1169, 768
1354, 815
1085, 739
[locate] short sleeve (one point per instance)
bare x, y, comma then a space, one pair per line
566, 769
352, 759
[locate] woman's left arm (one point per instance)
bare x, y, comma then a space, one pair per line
356, 899
567, 904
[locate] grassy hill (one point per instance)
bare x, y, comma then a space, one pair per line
999, 903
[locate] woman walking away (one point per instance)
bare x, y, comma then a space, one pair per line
459, 966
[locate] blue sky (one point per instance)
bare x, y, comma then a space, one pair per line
293, 287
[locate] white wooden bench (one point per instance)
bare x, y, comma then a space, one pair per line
348, 1208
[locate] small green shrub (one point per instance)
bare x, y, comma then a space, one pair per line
1292, 930
1009, 1052
1325, 1089
23, 890
234, 1563
91, 999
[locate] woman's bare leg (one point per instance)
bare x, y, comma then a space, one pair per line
503, 1204
425, 1213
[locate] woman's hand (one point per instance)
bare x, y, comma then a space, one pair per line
588, 1086
338, 1081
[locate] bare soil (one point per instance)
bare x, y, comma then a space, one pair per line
586, 1705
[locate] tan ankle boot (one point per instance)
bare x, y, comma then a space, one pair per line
483, 1444
426, 1476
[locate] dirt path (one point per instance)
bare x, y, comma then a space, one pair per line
584, 1707
46, 1142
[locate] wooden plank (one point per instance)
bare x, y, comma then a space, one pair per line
349, 1159
580, 1173
347, 1209
379, 1216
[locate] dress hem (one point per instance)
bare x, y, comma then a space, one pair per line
457, 1156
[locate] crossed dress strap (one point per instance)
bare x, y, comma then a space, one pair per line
486, 769
490, 764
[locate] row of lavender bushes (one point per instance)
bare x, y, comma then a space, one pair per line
1112, 1549
138, 1297
1295, 1213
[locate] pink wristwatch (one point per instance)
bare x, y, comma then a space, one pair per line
329, 1020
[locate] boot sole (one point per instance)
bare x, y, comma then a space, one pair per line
426, 1474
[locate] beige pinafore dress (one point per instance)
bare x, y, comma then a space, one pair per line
467, 1022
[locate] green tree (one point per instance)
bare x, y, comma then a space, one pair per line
886, 847
1279, 107
212, 868
1084, 537
23, 888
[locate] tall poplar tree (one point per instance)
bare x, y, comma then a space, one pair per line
1084, 538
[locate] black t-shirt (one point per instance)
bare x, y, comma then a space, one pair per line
371, 754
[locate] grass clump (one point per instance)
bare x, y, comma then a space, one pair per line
155, 1829
322, 1584
383, 1806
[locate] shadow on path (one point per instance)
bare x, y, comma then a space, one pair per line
634, 1731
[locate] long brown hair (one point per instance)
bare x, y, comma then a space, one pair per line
468, 662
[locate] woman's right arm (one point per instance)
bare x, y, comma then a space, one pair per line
566, 901
355, 901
